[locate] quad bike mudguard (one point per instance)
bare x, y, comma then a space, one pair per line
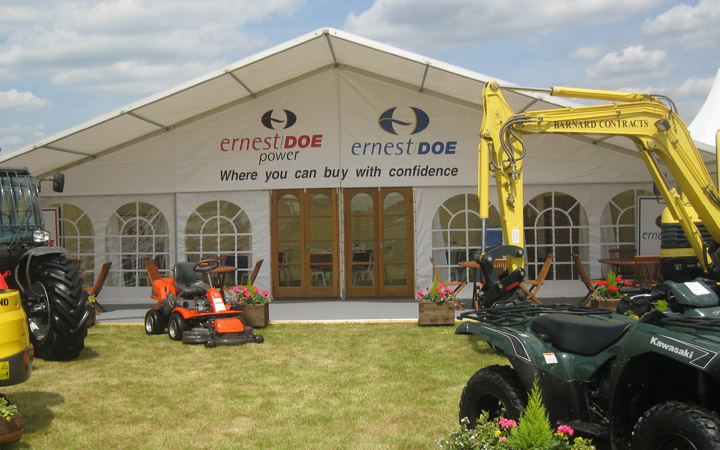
15, 349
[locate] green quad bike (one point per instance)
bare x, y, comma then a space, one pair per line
652, 383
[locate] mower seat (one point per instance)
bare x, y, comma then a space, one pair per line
189, 283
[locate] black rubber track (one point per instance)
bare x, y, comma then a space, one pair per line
65, 337
496, 389
676, 425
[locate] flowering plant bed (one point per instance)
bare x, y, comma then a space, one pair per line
607, 294
532, 432
436, 305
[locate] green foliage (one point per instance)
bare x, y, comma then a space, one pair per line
533, 431
437, 293
7, 410
249, 295
610, 287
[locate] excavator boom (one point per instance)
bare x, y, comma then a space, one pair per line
659, 135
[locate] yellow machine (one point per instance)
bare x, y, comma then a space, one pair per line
660, 137
16, 352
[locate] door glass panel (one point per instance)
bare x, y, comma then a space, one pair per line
396, 275
394, 203
362, 235
321, 228
288, 205
289, 241
361, 204
320, 205
362, 227
395, 227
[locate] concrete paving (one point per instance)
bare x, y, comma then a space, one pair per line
400, 309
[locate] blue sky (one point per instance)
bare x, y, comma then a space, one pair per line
66, 62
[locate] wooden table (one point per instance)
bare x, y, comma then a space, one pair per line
219, 275
619, 264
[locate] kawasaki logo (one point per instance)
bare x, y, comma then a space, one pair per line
671, 348
698, 356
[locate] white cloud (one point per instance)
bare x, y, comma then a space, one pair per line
130, 77
454, 22
591, 52
633, 63
66, 38
13, 136
15, 101
692, 26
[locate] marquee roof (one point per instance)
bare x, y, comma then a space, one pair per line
258, 75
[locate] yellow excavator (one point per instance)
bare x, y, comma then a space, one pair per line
16, 351
691, 228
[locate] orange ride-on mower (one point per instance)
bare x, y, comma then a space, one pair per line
194, 311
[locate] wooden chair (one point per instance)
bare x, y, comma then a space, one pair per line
460, 284
623, 254
245, 280
99, 282
151, 266
589, 283
535, 285
647, 270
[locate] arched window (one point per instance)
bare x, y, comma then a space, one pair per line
555, 223
77, 236
457, 234
220, 228
135, 232
617, 223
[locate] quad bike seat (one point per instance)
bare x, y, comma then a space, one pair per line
188, 282
581, 335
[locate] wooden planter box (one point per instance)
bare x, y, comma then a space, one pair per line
606, 303
256, 316
436, 314
11, 431
92, 312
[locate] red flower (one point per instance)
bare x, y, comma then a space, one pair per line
603, 283
613, 288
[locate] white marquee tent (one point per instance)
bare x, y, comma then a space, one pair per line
168, 149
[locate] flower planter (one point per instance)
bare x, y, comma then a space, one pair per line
11, 431
436, 313
607, 303
92, 312
256, 316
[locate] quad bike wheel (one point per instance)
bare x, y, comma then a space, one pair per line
154, 322
676, 425
176, 326
495, 389
56, 323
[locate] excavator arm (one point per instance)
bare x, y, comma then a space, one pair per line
658, 133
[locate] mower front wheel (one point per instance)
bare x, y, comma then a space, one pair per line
154, 322
176, 326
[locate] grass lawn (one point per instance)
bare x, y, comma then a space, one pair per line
357, 385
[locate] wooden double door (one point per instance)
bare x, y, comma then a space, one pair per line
376, 239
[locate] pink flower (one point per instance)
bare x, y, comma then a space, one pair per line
236, 290
248, 294
266, 293
507, 423
563, 429
502, 438
421, 293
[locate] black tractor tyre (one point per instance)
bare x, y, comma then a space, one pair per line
176, 326
59, 335
495, 389
259, 339
154, 322
676, 425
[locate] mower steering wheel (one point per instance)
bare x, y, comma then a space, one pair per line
206, 265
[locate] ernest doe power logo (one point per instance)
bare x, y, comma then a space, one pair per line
274, 123
388, 123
